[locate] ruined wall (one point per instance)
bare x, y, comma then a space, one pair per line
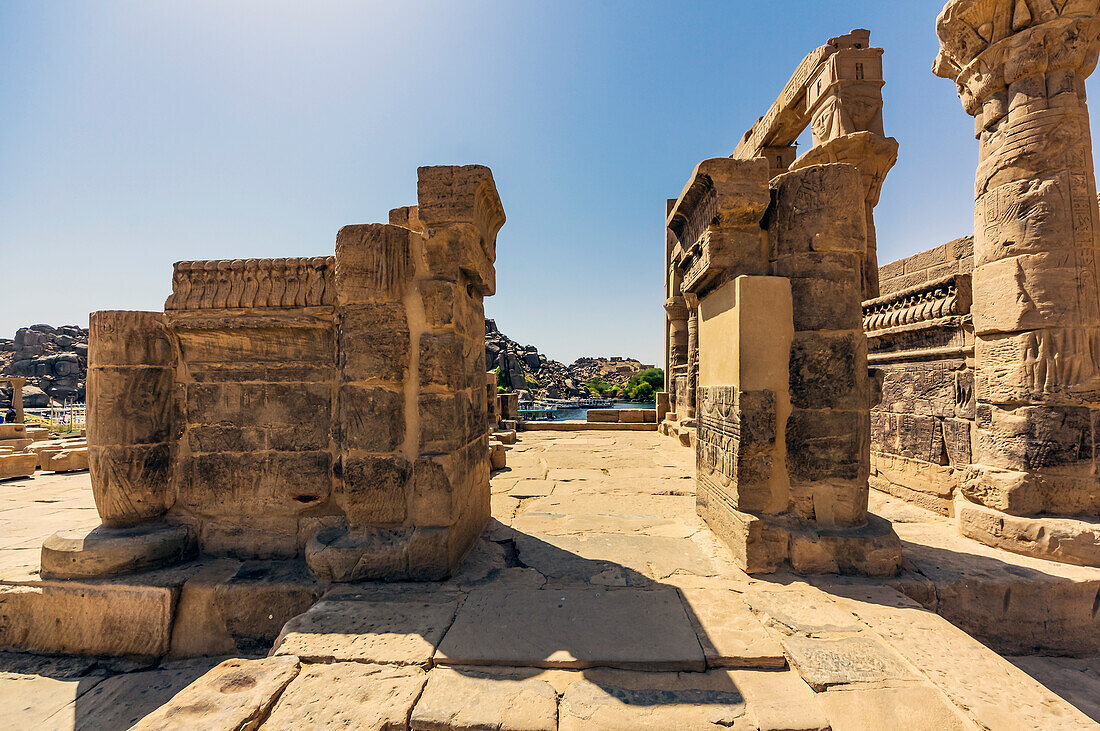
332, 408
782, 450
921, 345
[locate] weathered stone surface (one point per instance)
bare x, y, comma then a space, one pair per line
607, 699
123, 700
826, 662
613, 559
260, 598
88, 619
573, 628
39, 692
910, 706
468, 699
1056, 539
1077, 680
730, 635
17, 465
236, 694
780, 701
800, 609
990, 690
373, 626
107, 551
348, 695
69, 460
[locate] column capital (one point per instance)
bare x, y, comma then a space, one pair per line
986, 47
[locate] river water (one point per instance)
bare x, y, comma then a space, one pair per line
582, 414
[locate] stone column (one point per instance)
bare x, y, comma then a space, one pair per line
17, 397
1020, 70
818, 235
131, 372
692, 356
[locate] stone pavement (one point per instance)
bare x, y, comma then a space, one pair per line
596, 599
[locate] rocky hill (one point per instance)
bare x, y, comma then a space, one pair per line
526, 369
54, 360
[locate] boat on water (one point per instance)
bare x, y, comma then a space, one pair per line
535, 410
581, 403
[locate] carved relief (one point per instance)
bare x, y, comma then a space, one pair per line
252, 283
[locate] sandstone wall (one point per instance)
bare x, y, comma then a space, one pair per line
921, 345
331, 408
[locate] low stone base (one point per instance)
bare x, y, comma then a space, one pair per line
1068, 540
216, 607
110, 551
384, 554
69, 460
505, 436
769, 543
17, 465
498, 455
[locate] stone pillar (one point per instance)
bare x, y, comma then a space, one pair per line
492, 403
692, 375
818, 234
17, 397
131, 372
1020, 70
509, 406
414, 453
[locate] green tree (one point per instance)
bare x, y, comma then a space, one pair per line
502, 378
643, 392
599, 386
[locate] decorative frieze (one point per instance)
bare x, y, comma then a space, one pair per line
252, 283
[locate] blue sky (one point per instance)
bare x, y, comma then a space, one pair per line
136, 134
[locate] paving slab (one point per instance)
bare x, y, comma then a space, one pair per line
779, 700
612, 559
573, 628
34, 688
990, 690
730, 634
912, 707
802, 609
670, 516
348, 695
120, 701
236, 694
1076, 679
373, 626
531, 488
469, 700
605, 699
826, 662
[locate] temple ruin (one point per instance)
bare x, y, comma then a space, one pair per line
329, 408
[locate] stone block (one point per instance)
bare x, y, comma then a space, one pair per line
729, 633
736, 449
819, 208
361, 554
78, 618
1034, 437
827, 443
131, 405
631, 416
347, 695
617, 700
827, 662
825, 289
479, 700
260, 598
442, 361
828, 370
131, 483
69, 460
624, 628
236, 694
431, 499
374, 343
278, 484
604, 415
505, 437
1054, 539
108, 551
370, 625
442, 422
441, 299
498, 455
373, 489
371, 419
17, 465
13, 431
373, 263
